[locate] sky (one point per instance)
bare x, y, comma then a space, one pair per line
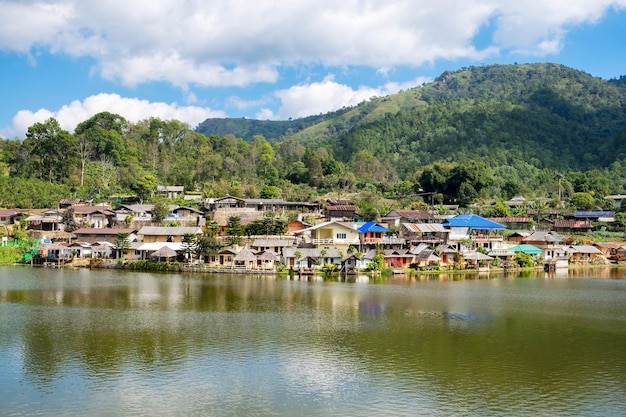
273, 60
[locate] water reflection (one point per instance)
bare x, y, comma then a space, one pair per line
106, 343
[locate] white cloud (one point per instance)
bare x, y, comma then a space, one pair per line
132, 109
328, 95
241, 42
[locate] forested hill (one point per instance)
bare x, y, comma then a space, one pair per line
248, 128
544, 115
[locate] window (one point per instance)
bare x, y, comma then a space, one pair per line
341, 235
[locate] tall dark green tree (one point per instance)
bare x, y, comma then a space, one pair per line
51, 153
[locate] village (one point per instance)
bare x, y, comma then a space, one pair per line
322, 237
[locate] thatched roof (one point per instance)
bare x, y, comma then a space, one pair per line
164, 252
245, 255
268, 255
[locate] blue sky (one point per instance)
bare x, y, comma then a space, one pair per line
193, 59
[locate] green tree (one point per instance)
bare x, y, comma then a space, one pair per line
160, 211
122, 244
207, 245
67, 218
378, 263
51, 152
189, 245
234, 230
582, 201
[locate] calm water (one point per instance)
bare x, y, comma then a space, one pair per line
104, 343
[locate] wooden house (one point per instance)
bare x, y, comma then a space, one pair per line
398, 258
9, 216
273, 245
170, 191
430, 233
583, 253
397, 217
573, 226
98, 234
342, 213
550, 242
150, 234
93, 216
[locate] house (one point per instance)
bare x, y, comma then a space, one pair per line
596, 216
426, 258
483, 232
616, 199
186, 212
93, 216
9, 216
150, 234
528, 249
295, 226
373, 233
397, 217
517, 237
311, 258
516, 202
273, 245
573, 226
98, 234
430, 233
221, 209
354, 263
449, 254
139, 213
608, 249
267, 260
187, 216
342, 213
102, 249
49, 220
52, 252
583, 253
332, 234
550, 243
398, 258
245, 258
170, 191
224, 258
81, 249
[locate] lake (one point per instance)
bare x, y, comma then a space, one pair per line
104, 343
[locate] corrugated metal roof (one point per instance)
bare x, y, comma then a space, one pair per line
425, 227
168, 231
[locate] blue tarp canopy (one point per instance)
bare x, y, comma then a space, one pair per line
527, 249
473, 221
372, 227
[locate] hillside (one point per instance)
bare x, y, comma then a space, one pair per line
546, 115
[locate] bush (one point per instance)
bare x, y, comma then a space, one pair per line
523, 260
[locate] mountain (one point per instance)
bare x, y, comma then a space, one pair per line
546, 115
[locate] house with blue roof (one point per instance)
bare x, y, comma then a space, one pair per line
372, 233
483, 232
